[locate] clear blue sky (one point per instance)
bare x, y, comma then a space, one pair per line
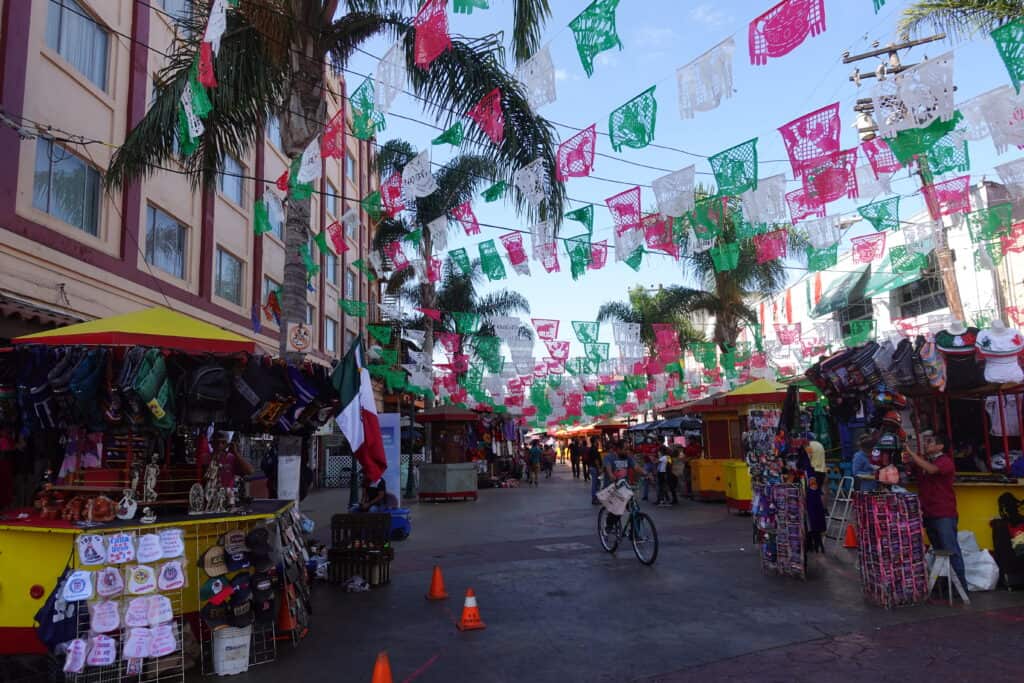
658, 36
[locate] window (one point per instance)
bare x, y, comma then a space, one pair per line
66, 187
231, 181
229, 277
274, 132
332, 200
349, 338
165, 242
179, 9
76, 37
350, 166
350, 285
331, 336
921, 296
310, 314
331, 268
350, 230
269, 285
276, 219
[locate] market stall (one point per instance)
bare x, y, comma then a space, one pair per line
449, 473
144, 500
728, 419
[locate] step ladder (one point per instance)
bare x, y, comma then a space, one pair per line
838, 518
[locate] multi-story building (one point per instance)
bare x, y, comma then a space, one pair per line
70, 251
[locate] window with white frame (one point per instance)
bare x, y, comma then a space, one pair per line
331, 198
350, 230
331, 268
66, 187
331, 336
350, 284
274, 132
228, 281
78, 38
231, 180
310, 314
179, 9
165, 242
269, 285
350, 166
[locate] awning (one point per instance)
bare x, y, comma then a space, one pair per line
156, 326
841, 292
885, 280
642, 427
30, 311
681, 423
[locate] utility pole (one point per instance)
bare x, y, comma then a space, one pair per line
867, 130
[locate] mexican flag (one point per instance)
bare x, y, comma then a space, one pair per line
358, 417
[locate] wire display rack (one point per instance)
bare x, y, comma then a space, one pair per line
167, 669
263, 643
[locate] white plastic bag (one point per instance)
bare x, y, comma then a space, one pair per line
614, 498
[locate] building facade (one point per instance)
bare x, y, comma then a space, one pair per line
74, 69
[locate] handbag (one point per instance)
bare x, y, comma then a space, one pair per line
615, 498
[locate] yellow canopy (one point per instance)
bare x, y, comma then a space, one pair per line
156, 326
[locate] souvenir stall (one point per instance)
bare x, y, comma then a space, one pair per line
449, 473
961, 382
143, 521
730, 419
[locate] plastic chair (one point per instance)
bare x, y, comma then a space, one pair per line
942, 567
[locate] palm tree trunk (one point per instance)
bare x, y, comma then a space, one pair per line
428, 294
302, 120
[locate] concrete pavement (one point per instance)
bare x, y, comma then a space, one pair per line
558, 608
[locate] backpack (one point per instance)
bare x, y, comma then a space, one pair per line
57, 620
150, 376
902, 368
260, 395
206, 395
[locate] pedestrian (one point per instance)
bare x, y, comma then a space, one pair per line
816, 477
649, 477
675, 471
934, 472
593, 463
692, 451
663, 464
535, 457
584, 449
549, 461
863, 472
575, 453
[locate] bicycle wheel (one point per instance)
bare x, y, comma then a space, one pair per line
609, 538
644, 538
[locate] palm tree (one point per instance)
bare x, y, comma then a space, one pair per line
273, 60
724, 295
458, 181
647, 309
959, 18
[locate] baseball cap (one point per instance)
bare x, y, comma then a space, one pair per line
236, 561
240, 610
258, 541
215, 616
213, 562
234, 542
216, 590
242, 585
263, 602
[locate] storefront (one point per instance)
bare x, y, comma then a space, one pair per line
144, 505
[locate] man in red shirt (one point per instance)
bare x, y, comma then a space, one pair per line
934, 473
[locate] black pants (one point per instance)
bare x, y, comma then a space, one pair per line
586, 473
673, 486
662, 487
575, 468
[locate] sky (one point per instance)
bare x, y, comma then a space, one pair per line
658, 37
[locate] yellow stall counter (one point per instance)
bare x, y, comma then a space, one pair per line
738, 491
34, 553
977, 504
708, 478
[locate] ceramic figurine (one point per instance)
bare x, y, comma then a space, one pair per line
152, 473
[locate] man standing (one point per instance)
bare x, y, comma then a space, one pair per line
934, 473
574, 457
535, 456
592, 461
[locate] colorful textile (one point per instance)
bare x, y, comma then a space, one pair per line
736, 168
513, 242
463, 213
488, 115
575, 156
431, 24
868, 248
490, 261
880, 156
803, 206
883, 215
783, 28
1009, 40
707, 80
832, 177
583, 215
771, 246
632, 124
594, 30
948, 197
811, 137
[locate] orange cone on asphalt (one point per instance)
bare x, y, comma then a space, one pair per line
437, 591
851, 537
470, 620
382, 669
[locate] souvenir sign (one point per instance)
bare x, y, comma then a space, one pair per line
102, 651
141, 580
172, 542
109, 582
137, 613
91, 549
163, 642
78, 586
74, 661
120, 548
149, 549
171, 577
104, 616
159, 610
136, 645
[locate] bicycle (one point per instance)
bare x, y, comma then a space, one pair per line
639, 528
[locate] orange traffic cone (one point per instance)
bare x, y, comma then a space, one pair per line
470, 620
437, 591
382, 669
851, 537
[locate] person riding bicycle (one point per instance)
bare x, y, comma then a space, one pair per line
618, 465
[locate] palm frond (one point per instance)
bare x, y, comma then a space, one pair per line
958, 19
344, 36
389, 230
617, 311
502, 302
393, 156
528, 19
458, 181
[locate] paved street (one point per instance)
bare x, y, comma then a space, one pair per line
558, 608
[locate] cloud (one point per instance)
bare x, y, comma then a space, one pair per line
706, 13
563, 75
654, 37
606, 58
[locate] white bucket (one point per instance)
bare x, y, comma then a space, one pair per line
231, 650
